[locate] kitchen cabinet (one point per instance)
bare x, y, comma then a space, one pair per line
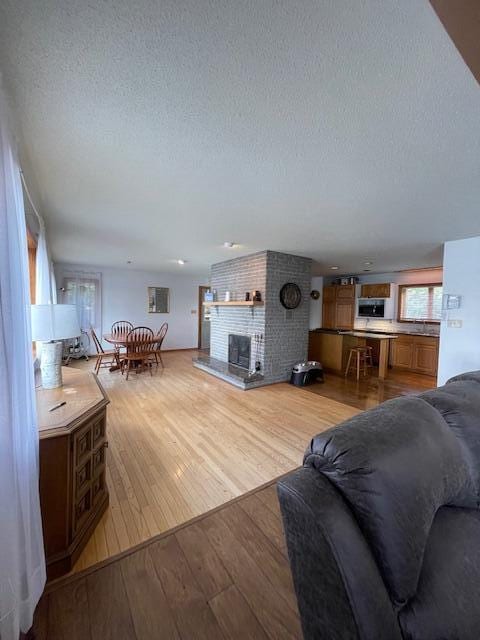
330, 293
338, 306
328, 321
345, 291
402, 352
326, 348
425, 356
382, 290
416, 353
344, 314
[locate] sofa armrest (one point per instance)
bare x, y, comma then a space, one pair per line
340, 593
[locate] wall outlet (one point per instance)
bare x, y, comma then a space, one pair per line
454, 324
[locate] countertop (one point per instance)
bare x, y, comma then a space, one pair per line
370, 336
375, 333
82, 394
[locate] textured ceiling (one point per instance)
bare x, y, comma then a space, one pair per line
336, 129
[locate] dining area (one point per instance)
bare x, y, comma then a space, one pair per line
133, 348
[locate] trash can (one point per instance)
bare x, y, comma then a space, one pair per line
304, 373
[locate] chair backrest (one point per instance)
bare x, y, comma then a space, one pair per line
140, 339
161, 333
121, 326
96, 341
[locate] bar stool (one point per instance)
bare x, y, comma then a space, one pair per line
361, 356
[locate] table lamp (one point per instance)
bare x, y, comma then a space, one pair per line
52, 323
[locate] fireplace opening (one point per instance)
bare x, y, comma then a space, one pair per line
239, 350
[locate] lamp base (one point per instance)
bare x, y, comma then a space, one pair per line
51, 364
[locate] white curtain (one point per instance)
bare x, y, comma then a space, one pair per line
22, 561
46, 288
83, 289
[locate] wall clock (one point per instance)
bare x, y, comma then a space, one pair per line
290, 295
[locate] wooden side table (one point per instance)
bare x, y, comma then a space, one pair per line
73, 489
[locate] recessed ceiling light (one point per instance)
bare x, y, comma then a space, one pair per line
367, 263
181, 261
334, 268
367, 269
228, 245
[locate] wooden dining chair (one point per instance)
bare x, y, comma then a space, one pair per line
104, 358
140, 346
121, 326
157, 348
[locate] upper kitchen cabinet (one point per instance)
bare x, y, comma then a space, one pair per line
330, 293
338, 306
382, 290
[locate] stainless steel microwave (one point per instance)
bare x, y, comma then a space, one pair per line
371, 308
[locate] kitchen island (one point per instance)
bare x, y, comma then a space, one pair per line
332, 347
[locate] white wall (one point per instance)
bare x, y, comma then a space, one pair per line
316, 305
460, 347
124, 297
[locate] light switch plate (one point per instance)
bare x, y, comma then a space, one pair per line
454, 324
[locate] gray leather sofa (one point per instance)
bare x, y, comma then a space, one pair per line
383, 523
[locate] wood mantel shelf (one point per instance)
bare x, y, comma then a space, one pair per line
235, 303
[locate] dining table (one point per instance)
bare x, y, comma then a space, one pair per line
120, 340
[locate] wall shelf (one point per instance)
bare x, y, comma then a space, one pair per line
235, 303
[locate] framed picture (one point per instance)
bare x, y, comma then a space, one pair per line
158, 300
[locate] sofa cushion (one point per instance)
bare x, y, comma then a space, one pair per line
446, 605
459, 404
395, 465
470, 375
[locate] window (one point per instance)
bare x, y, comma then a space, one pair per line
83, 290
420, 303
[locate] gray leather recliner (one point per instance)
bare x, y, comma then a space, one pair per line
383, 523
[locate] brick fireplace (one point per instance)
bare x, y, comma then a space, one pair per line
278, 337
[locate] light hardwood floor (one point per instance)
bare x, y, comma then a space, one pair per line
183, 442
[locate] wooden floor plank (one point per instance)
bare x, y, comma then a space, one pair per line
276, 617
110, 617
235, 617
204, 563
269, 497
69, 613
265, 520
150, 612
261, 551
193, 617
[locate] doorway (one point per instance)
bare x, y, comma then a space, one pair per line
203, 320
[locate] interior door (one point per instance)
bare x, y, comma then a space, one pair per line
203, 320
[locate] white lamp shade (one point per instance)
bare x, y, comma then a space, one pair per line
54, 322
